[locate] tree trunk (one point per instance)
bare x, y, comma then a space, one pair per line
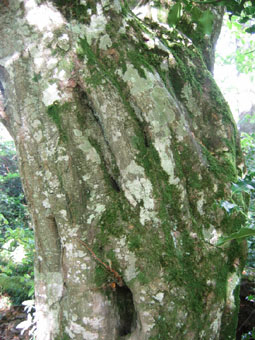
126, 148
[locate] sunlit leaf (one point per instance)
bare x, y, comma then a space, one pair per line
195, 14
206, 22
174, 14
241, 234
227, 205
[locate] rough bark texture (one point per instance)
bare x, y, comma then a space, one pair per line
126, 147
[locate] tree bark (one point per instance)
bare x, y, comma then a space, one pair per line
126, 148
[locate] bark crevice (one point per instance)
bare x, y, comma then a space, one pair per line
126, 310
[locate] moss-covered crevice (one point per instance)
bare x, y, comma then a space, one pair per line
56, 111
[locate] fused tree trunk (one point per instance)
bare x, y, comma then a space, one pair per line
126, 148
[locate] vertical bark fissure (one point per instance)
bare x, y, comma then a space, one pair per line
102, 146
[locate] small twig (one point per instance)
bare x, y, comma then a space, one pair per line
245, 321
207, 2
115, 274
249, 52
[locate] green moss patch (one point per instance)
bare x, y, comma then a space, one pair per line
55, 112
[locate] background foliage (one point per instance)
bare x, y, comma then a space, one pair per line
16, 237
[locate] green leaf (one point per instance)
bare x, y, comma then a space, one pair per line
31, 292
206, 22
174, 14
195, 14
250, 298
241, 234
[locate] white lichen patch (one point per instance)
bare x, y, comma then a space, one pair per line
190, 100
130, 273
50, 95
48, 175
63, 42
64, 158
63, 213
149, 215
138, 188
95, 322
38, 136
159, 297
97, 25
61, 75
47, 320
215, 325
127, 258
46, 203
54, 184
233, 281
77, 133
69, 248
158, 107
137, 84
54, 287
162, 145
51, 63
74, 317
43, 17
73, 232
90, 152
36, 123
200, 203
211, 235
117, 6
90, 218
105, 42
86, 178
80, 253
75, 328
147, 321
100, 208
39, 61
116, 136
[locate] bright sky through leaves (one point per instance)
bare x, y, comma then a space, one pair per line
238, 88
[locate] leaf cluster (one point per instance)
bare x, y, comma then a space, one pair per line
201, 14
244, 186
203, 18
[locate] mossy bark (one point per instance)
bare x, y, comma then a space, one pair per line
126, 147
